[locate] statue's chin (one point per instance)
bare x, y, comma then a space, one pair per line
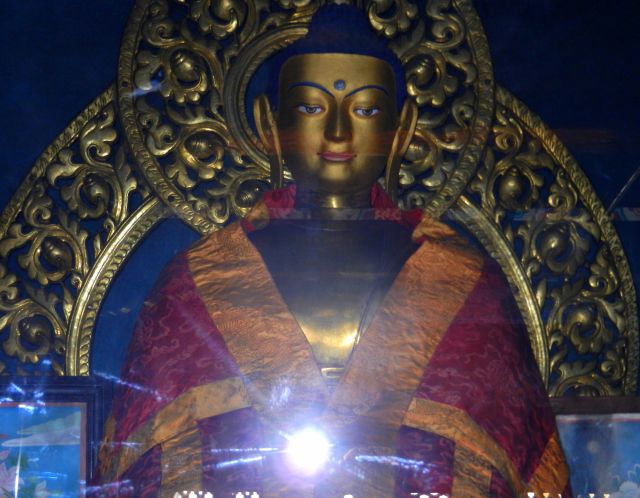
336, 177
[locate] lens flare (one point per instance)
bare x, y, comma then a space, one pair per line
308, 450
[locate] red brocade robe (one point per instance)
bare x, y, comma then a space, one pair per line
441, 394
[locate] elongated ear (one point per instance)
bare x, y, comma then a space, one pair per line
401, 141
268, 133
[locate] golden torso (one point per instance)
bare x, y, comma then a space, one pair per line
333, 276
337, 129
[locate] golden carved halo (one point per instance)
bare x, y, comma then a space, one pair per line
184, 72
78, 215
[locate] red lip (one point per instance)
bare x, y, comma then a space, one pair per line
337, 156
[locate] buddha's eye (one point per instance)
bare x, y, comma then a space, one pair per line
309, 109
366, 112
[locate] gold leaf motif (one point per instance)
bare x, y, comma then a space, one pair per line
391, 17
53, 251
220, 17
34, 327
200, 152
427, 78
159, 30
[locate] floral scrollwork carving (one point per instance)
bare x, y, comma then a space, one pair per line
535, 193
186, 69
449, 87
427, 78
36, 331
222, 17
78, 194
391, 16
53, 251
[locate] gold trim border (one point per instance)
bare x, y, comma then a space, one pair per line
96, 285
173, 420
493, 241
469, 158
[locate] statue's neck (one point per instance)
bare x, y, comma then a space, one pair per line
331, 205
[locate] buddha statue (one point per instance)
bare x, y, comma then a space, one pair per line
331, 344
337, 122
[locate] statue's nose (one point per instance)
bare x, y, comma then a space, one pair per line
338, 127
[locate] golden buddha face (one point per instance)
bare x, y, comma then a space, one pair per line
336, 120
336, 126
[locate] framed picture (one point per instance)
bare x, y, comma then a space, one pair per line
49, 434
601, 440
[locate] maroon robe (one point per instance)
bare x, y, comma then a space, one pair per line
442, 394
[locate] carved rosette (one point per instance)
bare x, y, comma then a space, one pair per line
548, 214
185, 69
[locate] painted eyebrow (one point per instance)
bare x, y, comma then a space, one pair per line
366, 87
311, 84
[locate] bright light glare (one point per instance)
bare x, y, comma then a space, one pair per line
308, 450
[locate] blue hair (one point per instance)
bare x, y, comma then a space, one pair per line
339, 29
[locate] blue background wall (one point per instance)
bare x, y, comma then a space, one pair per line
573, 62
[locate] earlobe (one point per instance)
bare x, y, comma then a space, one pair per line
401, 141
268, 133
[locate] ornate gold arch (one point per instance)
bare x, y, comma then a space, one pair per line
479, 155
